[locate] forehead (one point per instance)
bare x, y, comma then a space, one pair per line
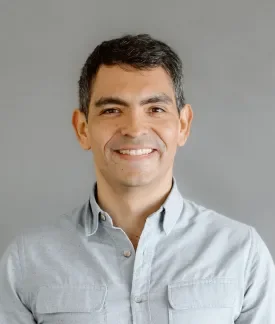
129, 82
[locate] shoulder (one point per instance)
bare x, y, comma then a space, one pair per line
202, 213
62, 227
212, 222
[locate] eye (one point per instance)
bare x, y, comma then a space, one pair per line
157, 110
109, 111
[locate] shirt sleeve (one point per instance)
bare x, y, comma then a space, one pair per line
12, 308
259, 298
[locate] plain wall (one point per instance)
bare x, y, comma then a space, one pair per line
228, 51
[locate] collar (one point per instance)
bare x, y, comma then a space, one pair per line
168, 213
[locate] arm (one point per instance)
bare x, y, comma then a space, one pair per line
259, 298
12, 308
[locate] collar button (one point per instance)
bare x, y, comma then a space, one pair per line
102, 217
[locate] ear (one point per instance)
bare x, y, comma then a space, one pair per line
186, 117
80, 127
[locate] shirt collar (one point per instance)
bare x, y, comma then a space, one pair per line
171, 210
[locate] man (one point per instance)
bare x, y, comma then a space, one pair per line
136, 251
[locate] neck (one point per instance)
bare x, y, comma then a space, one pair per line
130, 206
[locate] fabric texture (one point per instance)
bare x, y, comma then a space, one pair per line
192, 265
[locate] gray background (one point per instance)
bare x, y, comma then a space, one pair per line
229, 58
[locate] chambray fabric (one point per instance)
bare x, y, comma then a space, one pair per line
192, 265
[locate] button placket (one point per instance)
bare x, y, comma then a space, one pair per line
142, 272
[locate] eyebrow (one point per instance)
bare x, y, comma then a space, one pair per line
112, 100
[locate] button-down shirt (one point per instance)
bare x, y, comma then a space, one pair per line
192, 265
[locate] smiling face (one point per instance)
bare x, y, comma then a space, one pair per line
133, 126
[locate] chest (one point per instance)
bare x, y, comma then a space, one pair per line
163, 281
134, 238
184, 302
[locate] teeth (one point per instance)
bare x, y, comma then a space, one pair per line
136, 152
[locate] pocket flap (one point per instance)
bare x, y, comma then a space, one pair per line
218, 292
70, 299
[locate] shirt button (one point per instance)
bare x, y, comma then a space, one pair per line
138, 299
127, 254
102, 217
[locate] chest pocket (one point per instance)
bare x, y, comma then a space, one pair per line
202, 301
66, 304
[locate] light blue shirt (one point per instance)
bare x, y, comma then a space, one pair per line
192, 266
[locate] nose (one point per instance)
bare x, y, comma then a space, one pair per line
134, 126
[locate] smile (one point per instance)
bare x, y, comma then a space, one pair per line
136, 152
135, 155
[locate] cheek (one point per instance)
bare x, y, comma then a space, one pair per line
99, 136
169, 134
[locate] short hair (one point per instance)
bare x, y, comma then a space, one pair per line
139, 51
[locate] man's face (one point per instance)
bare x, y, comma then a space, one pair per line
134, 126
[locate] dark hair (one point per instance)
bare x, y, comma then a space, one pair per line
139, 51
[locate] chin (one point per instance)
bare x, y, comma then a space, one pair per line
134, 180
